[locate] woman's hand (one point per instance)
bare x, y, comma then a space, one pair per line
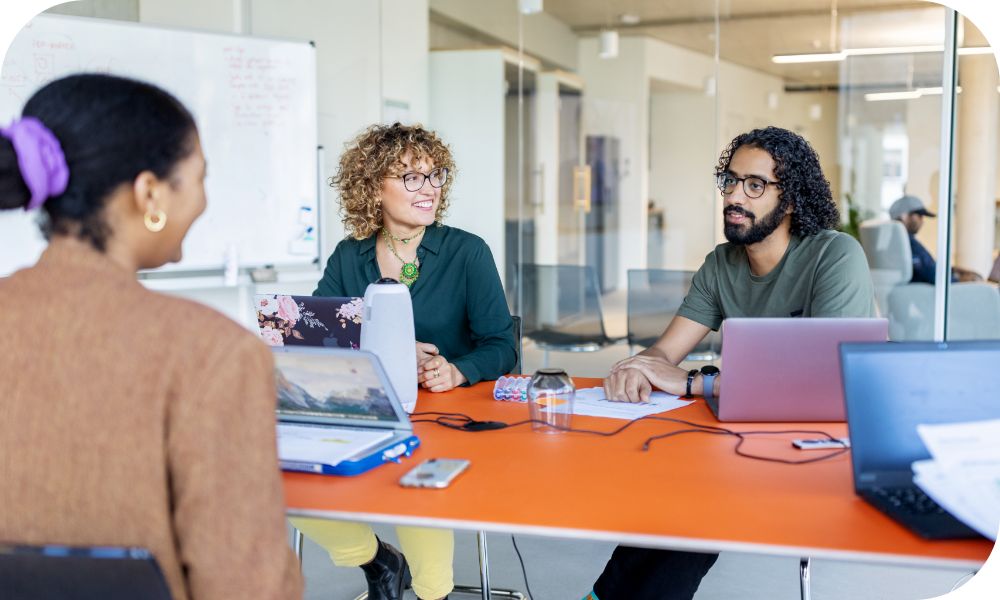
424, 352
438, 375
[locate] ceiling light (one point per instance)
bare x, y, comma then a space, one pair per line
629, 19
786, 59
907, 94
609, 44
530, 7
880, 96
839, 56
975, 50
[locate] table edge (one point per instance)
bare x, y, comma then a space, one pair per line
645, 540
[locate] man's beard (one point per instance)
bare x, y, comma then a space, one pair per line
757, 231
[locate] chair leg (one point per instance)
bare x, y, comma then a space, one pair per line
805, 579
484, 589
297, 538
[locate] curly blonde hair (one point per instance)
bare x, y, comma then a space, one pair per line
372, 156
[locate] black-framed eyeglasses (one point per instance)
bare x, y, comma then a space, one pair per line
753, 186
414, 181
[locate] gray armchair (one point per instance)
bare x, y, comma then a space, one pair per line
973, 309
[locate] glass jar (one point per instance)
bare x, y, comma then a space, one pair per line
550, 400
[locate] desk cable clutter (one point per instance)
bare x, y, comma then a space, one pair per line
463, 422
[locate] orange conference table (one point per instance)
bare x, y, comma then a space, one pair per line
689, 492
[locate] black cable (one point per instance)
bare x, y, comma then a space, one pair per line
463, 422
524, 571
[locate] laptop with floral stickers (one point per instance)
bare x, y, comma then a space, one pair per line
318, 321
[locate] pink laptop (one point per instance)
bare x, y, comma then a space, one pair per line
787, 369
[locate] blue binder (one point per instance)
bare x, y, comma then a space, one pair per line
339, 390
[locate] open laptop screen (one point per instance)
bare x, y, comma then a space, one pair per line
326, 322
332, 386
890, 388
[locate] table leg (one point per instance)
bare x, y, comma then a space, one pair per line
805, 579
484, 565
484, 577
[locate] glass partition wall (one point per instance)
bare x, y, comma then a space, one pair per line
618, 167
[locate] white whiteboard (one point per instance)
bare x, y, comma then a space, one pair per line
254, 101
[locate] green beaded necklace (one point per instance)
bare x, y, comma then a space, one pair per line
410, 271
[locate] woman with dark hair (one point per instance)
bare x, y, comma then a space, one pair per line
393, 184
130, 418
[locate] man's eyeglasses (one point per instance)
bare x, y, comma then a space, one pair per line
414, 181
753, 186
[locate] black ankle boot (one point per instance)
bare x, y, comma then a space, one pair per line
387, 574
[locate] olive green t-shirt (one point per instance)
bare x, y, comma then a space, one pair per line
822, 275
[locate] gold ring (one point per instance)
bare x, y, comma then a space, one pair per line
437, 373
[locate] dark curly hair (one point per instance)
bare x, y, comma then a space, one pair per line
801, 181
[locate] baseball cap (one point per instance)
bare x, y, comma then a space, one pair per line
908, 204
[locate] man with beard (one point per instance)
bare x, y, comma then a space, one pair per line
783, 258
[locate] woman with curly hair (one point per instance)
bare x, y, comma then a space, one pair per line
393, 183
782, 259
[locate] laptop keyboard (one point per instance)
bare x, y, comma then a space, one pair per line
911, 500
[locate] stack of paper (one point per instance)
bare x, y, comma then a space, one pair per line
964, 474
592, 403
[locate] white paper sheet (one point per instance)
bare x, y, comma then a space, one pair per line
592, 403
323, 445
964, 474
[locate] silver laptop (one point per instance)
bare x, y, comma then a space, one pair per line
787, 369
337, 412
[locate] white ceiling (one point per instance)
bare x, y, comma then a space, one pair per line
752, 31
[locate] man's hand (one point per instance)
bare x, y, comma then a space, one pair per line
657, 372
627, 385
965, 275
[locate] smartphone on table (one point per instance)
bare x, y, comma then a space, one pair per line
434, 473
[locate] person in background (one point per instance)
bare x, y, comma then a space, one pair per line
129, 417
393, 183
910, 211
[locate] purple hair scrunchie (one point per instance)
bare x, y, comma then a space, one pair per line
40, 159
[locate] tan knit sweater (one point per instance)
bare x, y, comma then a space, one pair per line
132, 418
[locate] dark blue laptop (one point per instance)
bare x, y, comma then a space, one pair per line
889, 389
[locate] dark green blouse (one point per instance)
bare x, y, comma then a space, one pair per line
458, 301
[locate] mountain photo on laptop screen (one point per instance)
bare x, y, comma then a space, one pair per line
345, 387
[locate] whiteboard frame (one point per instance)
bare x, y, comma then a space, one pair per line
310, 263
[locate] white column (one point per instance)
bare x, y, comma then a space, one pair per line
976, 164
543, 188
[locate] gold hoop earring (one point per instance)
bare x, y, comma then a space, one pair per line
155, 220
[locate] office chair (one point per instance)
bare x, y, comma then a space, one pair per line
560, 308
973, 312
79, 573
973, 308
654, 295
890, 261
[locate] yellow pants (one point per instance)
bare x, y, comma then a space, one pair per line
429, 552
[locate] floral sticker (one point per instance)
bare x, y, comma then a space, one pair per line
286, 320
